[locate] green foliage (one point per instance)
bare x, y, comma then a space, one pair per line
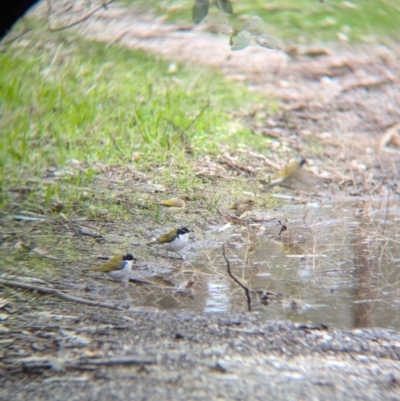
200, 10
68, 105
293, 20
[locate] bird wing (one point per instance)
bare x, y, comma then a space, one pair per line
291, 175
167, 203
301, 178
282, 177
290, 170
282, 174
168, 237
173, 202
110, 266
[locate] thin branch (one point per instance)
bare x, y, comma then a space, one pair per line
121, 361
283, 228
196, 118
117, 147
237, 166
15, 37
47, 363
58, 294
246, 289
85, 17
183, 132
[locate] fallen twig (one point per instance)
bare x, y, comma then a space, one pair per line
241, 168
51, 291
28, 218
267, 161
120, 361
10, 277
368, 84
33, 363
84, 18
246, 289
183, 132
116, 146
234, 219
194, 120
87, 232
283, 228
15, 37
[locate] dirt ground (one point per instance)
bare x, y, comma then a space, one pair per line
348, 100
343, 100
100, 354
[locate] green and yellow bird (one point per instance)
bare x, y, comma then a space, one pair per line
119, 267
291, 174
242, 206
174, 205
174, 241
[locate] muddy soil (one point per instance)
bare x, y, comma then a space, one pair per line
65, 352
347, 100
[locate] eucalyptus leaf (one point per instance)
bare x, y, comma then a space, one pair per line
240, 40
225, 6
200, 10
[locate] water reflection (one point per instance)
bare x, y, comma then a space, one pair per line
365, 264
218, 299
339, 266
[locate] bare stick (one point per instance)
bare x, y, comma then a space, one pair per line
198, 115
117, 147
283, 228
121, 361
46, 363
246, 289
183, 132
84, 18
58, 294
15, 37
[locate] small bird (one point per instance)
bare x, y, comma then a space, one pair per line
174, 205
174, 241
243, 206
290, 174
118, 267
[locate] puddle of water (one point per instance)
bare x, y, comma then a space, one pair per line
337, 264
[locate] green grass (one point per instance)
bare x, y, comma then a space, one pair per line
307, 21
72, 104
